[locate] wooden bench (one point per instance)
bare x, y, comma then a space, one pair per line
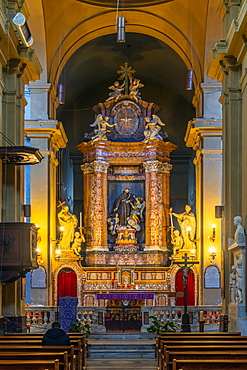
209, 364
28, 365
203, 341
62, 357
201, 355
38, 336
39, 349
37, 342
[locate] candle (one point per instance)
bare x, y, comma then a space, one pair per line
80, 219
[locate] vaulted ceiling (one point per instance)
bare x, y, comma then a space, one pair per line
76, 42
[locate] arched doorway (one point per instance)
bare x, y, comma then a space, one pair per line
179, 287
66, 283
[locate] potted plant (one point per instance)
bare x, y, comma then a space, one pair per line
81, 326
159, 326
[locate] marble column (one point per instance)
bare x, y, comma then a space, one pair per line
156, 199
96, 188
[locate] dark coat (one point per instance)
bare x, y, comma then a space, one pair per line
56, 337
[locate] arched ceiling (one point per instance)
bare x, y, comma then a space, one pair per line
163, 40
124, 3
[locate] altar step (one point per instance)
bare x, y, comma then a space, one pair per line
121, 346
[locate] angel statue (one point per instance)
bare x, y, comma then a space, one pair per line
152, 128
116, 90
134, 89
101, 131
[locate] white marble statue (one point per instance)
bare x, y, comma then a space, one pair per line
239, 235
239, 283
233, 284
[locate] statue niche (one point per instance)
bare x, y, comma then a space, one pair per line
127, 217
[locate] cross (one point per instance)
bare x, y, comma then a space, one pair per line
126, 73
185, 267
60, 204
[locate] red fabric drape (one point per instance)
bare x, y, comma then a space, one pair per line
179, 287
67, 284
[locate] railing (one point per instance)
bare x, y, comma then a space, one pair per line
40, 318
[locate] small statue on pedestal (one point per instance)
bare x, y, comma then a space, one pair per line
177, 241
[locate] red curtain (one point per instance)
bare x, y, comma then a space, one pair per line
67, 284
179, 287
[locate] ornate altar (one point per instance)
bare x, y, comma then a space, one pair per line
126, 172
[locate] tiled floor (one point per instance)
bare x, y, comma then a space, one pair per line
121, 364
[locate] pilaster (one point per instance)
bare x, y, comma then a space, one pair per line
49, 137
204, 136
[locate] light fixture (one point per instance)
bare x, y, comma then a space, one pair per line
61, 228
212, 253
121, 29
61, 93
192, 253
219, 211
189, 80
23, 30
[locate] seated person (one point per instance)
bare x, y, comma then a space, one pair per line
55, 336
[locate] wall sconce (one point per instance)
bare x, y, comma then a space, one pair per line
212, 254
192, 253
121, 29
58, 253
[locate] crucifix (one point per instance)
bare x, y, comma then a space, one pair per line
186, 267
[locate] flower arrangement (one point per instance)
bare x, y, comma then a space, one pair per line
159, 326
81, 325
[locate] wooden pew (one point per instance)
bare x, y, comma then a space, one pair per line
62, 357
39, 349
28, 365
38, 342
209, 364
201, 355
190, 336
80, 351
203, 341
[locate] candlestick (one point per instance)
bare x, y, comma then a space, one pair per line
80, 219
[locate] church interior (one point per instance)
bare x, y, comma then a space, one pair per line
122, 161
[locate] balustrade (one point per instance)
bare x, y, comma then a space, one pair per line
40, 318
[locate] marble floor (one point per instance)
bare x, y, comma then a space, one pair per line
121, 364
